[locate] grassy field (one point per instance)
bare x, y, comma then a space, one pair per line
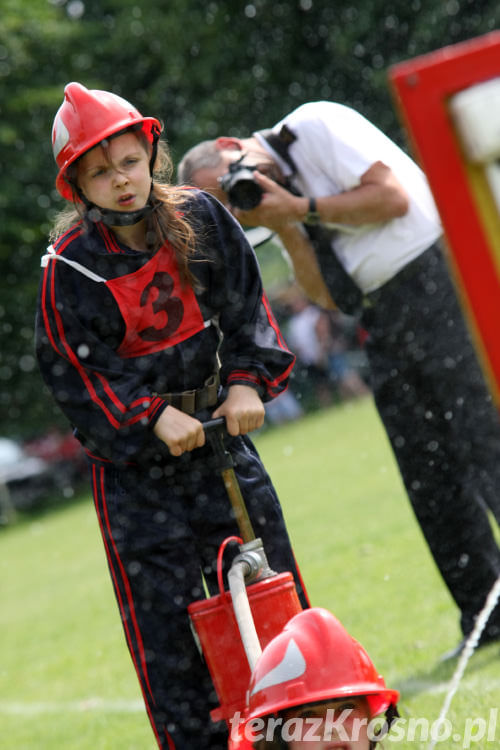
66, 681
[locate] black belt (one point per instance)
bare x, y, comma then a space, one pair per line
199, 398
420, 263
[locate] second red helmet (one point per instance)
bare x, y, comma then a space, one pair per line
314, 659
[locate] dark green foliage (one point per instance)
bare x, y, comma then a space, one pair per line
202, 67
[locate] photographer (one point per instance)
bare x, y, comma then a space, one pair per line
357, 218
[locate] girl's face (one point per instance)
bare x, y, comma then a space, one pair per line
340, 724
116, 177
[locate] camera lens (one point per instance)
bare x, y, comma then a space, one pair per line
239, 184
245, 194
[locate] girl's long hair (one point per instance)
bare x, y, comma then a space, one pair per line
165, 223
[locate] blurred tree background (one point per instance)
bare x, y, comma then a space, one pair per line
202, 67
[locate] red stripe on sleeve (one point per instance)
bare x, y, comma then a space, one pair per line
272, 322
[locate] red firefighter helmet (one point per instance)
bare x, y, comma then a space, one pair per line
314, 659
86, 117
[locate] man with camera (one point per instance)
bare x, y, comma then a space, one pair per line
359, 223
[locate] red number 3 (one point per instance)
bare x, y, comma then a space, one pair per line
171, 307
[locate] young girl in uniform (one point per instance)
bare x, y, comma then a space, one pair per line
151, 319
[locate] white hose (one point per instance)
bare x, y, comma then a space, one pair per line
243, 613
469, 648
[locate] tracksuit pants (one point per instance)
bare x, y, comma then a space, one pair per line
162, 526
443, 427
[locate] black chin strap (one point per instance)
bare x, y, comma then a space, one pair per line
391, 715
118, 218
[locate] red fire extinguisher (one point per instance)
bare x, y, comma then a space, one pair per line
233, 626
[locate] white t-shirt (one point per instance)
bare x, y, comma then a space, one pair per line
335, 145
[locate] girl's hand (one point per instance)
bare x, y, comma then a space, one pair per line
179, 431
243, 410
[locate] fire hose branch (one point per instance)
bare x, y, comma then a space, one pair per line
253, 557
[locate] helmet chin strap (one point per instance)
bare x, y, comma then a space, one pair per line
116, 218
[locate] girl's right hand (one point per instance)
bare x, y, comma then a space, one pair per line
179, 431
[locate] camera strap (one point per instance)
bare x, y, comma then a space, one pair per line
344, 291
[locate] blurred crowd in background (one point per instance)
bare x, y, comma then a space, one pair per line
331, 366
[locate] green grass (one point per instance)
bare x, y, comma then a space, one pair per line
66, 680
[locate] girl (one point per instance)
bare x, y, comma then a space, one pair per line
152, 318
315, 688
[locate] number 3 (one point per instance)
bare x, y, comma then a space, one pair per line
164, 303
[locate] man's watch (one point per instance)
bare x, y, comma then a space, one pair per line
312, 215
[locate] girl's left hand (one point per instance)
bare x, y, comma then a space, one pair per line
243, 410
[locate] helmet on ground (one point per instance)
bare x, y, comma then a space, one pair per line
84, 119
314, 659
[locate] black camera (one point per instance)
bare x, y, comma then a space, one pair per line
242, 190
